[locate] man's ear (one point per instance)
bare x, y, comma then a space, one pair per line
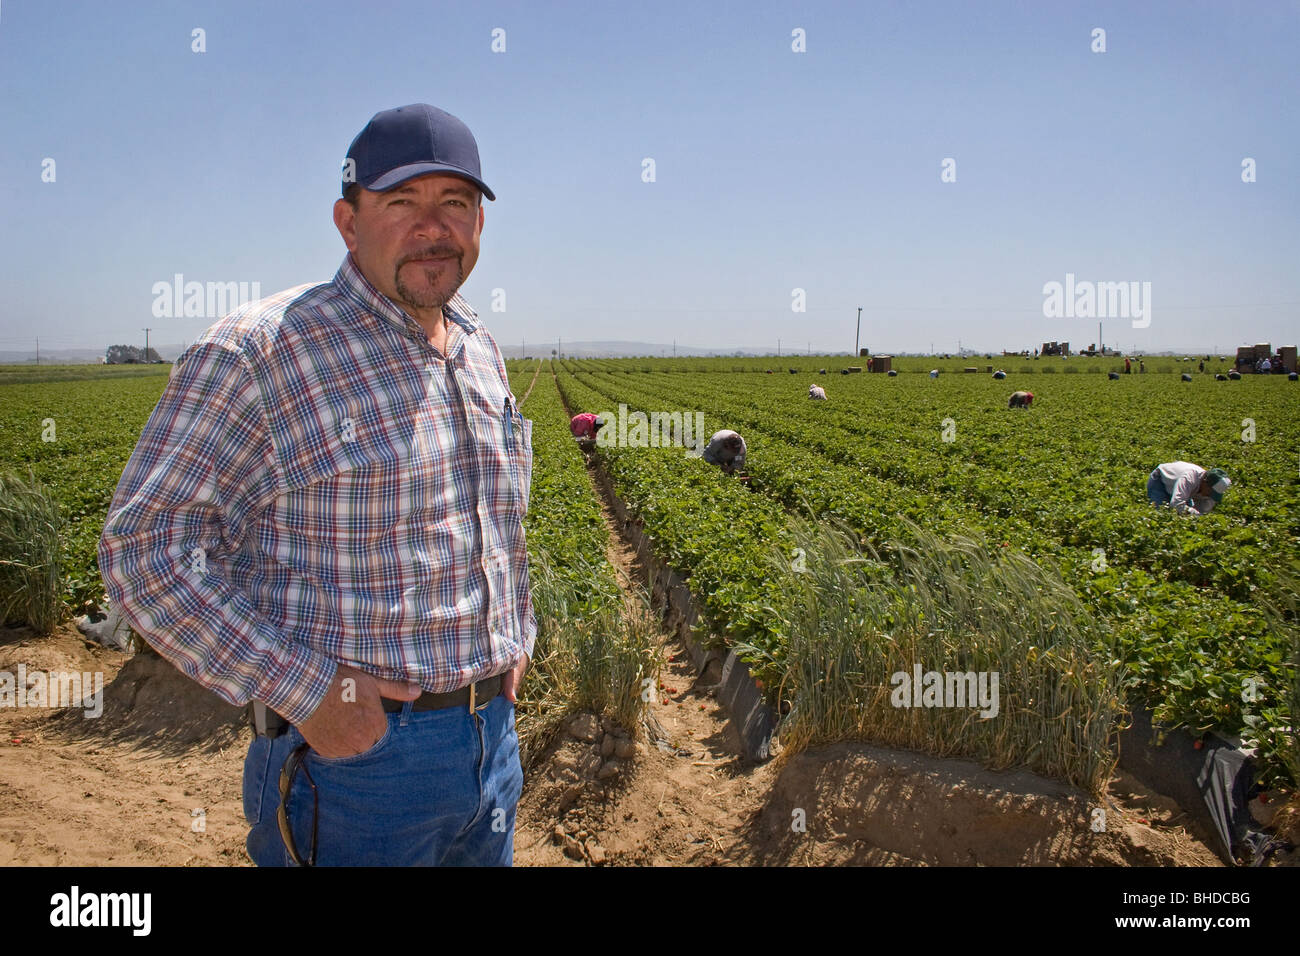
345, 221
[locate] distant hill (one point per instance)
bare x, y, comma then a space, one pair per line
621, 349
52, 357
606, 349
78, 356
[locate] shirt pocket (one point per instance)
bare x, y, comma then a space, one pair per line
520, 450
503, 437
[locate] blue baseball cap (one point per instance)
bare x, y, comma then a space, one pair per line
409, 141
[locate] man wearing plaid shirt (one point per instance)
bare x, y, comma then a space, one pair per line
323, 517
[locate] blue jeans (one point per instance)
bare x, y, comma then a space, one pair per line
438, 789
1156, 493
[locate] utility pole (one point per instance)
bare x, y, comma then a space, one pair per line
146, 345
857, 336
38, 351
778, 348
674, 348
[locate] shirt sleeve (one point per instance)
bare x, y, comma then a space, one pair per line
181, 516
1184, 489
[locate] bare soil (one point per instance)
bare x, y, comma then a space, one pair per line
155, 780
137, 786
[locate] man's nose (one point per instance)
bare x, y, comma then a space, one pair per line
432, 221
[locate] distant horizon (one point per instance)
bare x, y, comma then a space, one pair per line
512, 351
169, 352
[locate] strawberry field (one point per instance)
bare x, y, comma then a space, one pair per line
1193, 610
1185, 601
75, 428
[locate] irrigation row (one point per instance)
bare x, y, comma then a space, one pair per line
537, 371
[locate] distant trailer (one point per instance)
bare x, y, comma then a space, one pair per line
1284, 359
1248, 355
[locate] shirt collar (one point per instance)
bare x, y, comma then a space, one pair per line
358, 288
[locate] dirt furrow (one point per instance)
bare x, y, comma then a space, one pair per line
687, 796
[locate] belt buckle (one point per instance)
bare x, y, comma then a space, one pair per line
475, 707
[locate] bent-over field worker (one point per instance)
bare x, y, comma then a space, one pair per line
727, 450
817, 393
1021, 400
324, 516
1187, 488
585, 425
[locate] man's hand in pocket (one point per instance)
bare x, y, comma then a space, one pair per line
513, 678
350, 720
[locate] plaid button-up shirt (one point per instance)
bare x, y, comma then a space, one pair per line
320, 486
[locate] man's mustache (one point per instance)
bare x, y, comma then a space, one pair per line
432, 252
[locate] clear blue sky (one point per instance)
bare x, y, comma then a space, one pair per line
774, 169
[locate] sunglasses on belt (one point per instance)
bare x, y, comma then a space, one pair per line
290, 770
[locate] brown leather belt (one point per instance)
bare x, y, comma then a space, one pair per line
474, 696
